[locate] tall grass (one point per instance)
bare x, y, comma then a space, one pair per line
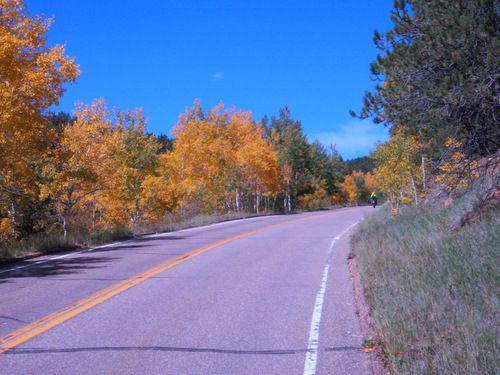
434, 293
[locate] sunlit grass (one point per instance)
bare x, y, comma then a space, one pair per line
434, 293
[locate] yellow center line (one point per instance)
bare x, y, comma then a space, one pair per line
18, 337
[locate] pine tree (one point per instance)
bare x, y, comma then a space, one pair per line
287, 137
439, 74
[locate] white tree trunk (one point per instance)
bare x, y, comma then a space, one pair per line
424, 180
237, 199
288, 199
63, 219
415, 192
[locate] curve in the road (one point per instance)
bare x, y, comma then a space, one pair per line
44, 324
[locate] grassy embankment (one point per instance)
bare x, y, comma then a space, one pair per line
433, 292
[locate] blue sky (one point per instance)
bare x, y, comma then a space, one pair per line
257, 55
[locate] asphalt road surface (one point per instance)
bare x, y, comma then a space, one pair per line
268, 295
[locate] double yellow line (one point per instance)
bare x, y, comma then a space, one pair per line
18, 337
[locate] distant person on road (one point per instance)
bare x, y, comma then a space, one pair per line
373, 199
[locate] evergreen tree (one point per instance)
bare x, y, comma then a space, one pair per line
59, 121
439, 73
287, 137
167, 144
328, 165
363, 164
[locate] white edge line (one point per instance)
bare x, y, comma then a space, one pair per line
313, 344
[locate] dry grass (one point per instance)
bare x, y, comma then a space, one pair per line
434, 293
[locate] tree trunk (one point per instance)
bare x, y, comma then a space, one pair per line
237, 198
257, 201
93, 215
415, 192
288, 199
62, 217
424, 181
12, 217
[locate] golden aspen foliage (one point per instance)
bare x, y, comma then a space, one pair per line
198, 161
6, 232
159, 196
220, 155
398, 169
358, 186
254, 160
456, 172
317, 198
371, 184
136, 194
350, 188
104, 172
31, 80
82, 165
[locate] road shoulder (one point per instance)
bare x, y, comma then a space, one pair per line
364, 314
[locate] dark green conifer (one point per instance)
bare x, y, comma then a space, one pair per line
439, 73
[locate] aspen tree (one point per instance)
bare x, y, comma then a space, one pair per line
31, 81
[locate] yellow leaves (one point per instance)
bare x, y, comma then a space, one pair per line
219, 153
6, 232
373, 343
35, 72
158, 196
318, 198
254, 158
456, 172
31, 80
358, 186
104, 171
349, 187
399, 171
371, 184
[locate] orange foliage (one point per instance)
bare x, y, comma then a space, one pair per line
31, 80
219, 156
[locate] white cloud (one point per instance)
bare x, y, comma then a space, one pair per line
217, 76
354, 139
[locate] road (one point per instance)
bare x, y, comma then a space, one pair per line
268, 295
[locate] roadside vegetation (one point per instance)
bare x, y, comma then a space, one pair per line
434, 292
429, 258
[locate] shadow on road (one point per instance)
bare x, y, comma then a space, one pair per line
66, 266
136, 243
57, 267
173, 349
